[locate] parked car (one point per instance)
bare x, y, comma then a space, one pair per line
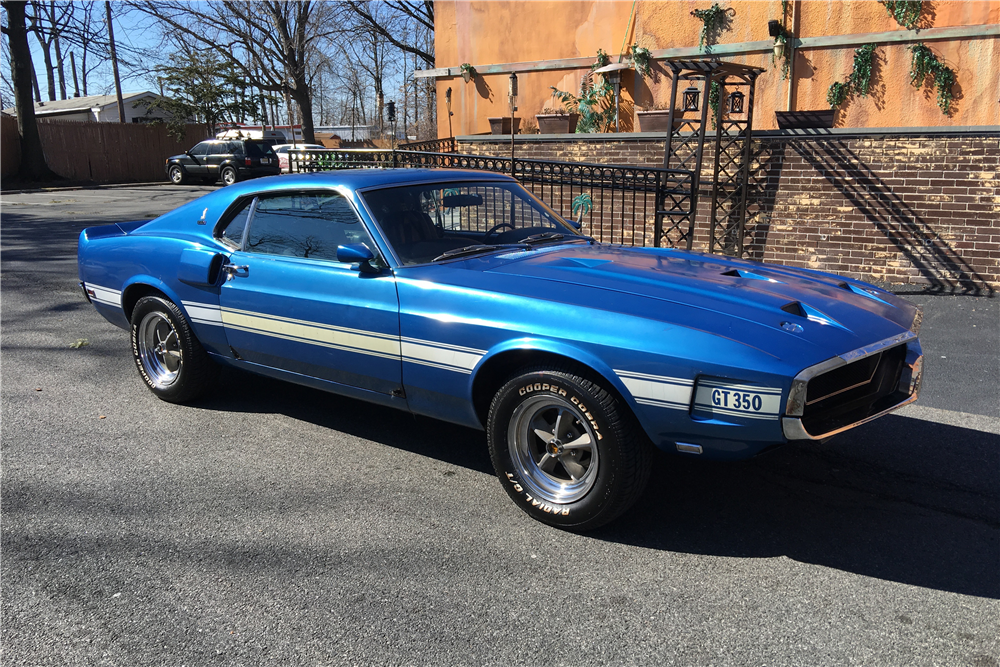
283, 150
460, 296
230, 161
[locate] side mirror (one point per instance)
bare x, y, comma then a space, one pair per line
358, 255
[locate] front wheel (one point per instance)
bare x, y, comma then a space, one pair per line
171, 361
177, 175
565, 449
228, 176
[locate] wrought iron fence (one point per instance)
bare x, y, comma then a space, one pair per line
613, 203
446, 145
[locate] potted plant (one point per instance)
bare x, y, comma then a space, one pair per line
656, 119
468, 72
556, 121
501, 125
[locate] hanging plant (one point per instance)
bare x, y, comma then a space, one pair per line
861, 75
924, 63
602, 60
713, 20
836, 94
906, 12
859, 81
640, 60
468, 72
714, 91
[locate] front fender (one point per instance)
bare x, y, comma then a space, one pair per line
558, 348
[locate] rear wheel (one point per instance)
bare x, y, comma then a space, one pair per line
565, 449
171, 361
177, 175
228, 176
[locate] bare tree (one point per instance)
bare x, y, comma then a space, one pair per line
32, 159
271, 43
387, 17
47, 20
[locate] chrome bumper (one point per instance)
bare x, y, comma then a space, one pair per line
909, 382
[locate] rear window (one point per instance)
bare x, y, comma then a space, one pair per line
258, 149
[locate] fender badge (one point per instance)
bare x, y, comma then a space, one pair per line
201, 221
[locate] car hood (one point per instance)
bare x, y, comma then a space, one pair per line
714, 292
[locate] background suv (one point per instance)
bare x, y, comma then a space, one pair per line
227, 160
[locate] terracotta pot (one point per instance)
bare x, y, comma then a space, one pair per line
501, 125
657, 120
557, 123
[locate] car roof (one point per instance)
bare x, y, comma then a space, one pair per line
357, 179
212, 205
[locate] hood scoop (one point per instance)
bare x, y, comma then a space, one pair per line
586, 262
808, 312
863, 292
743, 273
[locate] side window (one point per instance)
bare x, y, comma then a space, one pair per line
231, 232
202, 148
235, 148
309, 226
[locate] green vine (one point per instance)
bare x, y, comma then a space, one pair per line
712, 20
640, 60
714, 92
923, 64
906, 12
468, 69
859, 80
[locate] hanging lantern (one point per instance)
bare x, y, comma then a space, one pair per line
691, 95
736, 102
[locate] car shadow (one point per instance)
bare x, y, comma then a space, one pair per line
900, 499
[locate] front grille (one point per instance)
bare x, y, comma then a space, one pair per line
854, 392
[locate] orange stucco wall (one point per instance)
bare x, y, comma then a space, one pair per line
492, 32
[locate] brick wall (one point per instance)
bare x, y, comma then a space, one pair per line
921, 209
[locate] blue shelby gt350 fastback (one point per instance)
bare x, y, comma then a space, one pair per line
458, 295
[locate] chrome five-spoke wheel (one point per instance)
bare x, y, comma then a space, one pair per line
554, 449
159, 350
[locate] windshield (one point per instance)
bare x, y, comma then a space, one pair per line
424, 222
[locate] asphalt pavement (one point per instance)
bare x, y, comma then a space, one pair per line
271, 524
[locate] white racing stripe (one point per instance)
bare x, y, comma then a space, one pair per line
444, 356
203, 313
364, 342
105, 295
441, 355
658, 391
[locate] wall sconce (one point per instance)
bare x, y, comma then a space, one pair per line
691, 96
736, 102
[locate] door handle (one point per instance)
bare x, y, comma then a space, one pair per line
233, 271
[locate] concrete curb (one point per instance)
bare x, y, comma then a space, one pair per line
108, 186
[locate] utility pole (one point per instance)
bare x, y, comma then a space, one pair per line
114, 63
76, 82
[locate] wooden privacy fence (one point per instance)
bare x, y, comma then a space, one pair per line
102, 152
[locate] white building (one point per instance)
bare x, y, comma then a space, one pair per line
99, 108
